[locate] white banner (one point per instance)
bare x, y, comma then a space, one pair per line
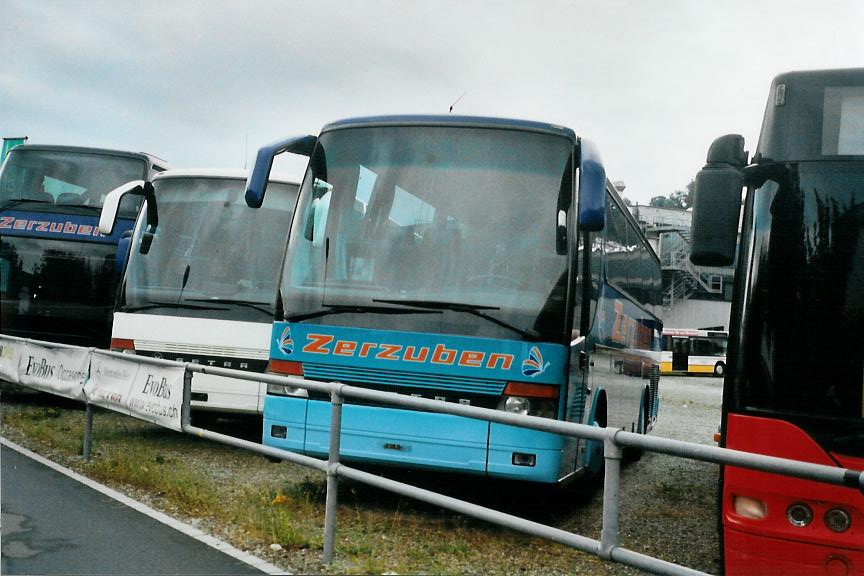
143, 390
61, 371
10, 355
110, 381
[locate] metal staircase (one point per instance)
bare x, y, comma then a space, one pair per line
685, 278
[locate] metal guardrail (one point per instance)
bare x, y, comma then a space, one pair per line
614, 441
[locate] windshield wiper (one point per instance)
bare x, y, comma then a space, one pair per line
356, 309
473, 309
17, 201
254, 304
176, 305
86, 207
440, 305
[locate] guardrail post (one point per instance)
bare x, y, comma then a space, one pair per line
332, 477
88, 431
186, 408
611, 485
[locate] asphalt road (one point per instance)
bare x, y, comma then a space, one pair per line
52, 524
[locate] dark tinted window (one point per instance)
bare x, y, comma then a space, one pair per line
804, 336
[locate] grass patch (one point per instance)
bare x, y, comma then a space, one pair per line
145, 466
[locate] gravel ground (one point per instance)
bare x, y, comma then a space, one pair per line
667, 504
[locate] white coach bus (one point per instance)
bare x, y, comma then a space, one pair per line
201, 277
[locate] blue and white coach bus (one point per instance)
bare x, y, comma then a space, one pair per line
58, 276
474, 260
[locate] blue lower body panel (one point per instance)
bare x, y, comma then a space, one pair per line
505, 441
413, 439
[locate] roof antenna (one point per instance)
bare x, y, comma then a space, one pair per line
457, 101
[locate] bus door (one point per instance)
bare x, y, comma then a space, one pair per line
680, 354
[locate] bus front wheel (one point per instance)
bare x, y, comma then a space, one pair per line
719, 369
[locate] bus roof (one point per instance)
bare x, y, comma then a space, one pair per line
150, 158
802, 116
453, 121
223, 174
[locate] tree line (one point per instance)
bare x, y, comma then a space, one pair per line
681, 199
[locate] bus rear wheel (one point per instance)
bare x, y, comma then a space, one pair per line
719, 369
631, 453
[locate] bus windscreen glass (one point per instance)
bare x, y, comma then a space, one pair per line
462, 220
68, 179
804, 333
211, 255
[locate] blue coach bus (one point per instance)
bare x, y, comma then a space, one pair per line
58, 274
482, 261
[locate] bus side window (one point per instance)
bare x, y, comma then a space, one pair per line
615, 245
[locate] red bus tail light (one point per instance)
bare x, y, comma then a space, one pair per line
531, 390
125, 345
286, 368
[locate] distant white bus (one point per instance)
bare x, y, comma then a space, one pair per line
687, 351
200, 282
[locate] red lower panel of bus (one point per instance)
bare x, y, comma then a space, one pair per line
758, 536
758, 555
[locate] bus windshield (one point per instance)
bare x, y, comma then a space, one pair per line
803, 340
454, 226
211, 256
68, 179
57, 287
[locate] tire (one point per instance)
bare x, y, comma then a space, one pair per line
630, 453
596, 478
719, 369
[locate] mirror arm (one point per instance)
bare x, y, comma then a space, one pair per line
592, 188
256, 185
152, 212
108, 216
755, 175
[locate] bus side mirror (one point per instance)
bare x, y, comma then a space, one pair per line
256, 184
717, 203
108, 216
592, 188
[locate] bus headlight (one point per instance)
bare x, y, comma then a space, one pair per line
749, 507
799, 515
530, 399
284, 390
517, 405
529, 406
838, 520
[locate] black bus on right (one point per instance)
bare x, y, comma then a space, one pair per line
794, 386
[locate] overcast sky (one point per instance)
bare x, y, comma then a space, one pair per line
651, 82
